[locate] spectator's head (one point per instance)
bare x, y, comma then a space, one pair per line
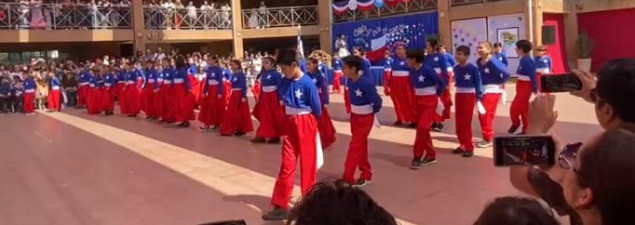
523, 47
431, 45
599, 183
414, 58
351, 66
612, 95
400, 51
498, 48
484, 49
268, 63
289, 63
358, 51
328, 203
515, 211
443, 49
462, 54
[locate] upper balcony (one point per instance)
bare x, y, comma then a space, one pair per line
342, 12
64, 23
280, 17
157, 18
469, 2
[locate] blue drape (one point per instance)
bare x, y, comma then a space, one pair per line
411, 30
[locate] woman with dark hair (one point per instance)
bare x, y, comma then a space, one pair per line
515, 211
599, 182
331, 203
268, 110
237, 119
325, 124
182, 90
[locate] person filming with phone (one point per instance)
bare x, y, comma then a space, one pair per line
594, 182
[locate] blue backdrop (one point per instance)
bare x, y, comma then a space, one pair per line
411, 30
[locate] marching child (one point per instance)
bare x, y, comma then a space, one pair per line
440, 65
401, 92
325, 124
526, 85
54, 95
268, 110
108, 93
468, 92
213, 105
494, 74
337, 74
365, 103
183, 96
237, 119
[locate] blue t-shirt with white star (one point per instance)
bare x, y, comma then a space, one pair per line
363, 92
301, 93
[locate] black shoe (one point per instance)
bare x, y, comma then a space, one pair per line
458, 151
215, 127
361, 183
415, 164
238, 133
203, 129
397, 123
428, 161
468, 154
512, 129
274, 141
184, 124
258, 140
437, 127
135, 115
275, 215
412, 125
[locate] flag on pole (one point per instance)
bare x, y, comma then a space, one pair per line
300, 47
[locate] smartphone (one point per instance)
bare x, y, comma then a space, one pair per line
524, 150
553, 83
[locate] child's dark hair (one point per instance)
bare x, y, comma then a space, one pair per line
238, 63
433, 43
515, 211
415, 54
270, 60
180, 62
288, 57
360, 50
330, 203
312, 60
353, 62
463, 49
498, 45
524, 45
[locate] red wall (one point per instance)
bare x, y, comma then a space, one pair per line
557, 51
612, 32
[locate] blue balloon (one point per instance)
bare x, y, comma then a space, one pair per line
378, 3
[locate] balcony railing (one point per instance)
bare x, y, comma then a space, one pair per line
59, 16
280, 17
401, 8
199, 19
469, 2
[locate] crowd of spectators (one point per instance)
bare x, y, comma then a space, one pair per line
175, 14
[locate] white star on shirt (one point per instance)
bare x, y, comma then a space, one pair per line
268, 77
235, 79
421, 78
213, 74
358, 93
402, 63
468, 76
298, 93
544, 60
314, 80
486, 70
436, 59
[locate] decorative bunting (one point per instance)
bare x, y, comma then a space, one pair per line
341, 7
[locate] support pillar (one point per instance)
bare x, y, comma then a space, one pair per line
445, 25
325, 22
534, 22
571, 32
138, 27
237, 28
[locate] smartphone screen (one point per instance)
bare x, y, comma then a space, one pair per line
524, 150
560, 83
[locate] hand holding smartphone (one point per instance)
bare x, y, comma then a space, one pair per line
524, 150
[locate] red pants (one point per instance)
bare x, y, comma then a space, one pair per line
228, 90
107, 99
132, 102
270, 114
387, 73
357, 156
237, 117
29, 106
150, 101
427, 111
326, 128
465, 103
519, 109
167, 105
347, 100
212, 108
93, 101
54, 100
184, 105
256, 89
337, 74
300, 131
403, 98
446, 99
82, 93
490, 102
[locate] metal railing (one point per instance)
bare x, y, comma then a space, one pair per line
280, 17
401, 8
161, 18
469, 2
60, 16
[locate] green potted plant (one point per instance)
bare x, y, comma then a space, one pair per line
584, 47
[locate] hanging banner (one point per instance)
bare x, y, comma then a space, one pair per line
340, 7
378, 3
364, 5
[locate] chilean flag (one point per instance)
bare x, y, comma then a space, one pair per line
341, 7
365, 5
378, 47
392, 2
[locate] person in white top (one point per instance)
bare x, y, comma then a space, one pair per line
262, 15
191, 15
168, 7
225, 16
